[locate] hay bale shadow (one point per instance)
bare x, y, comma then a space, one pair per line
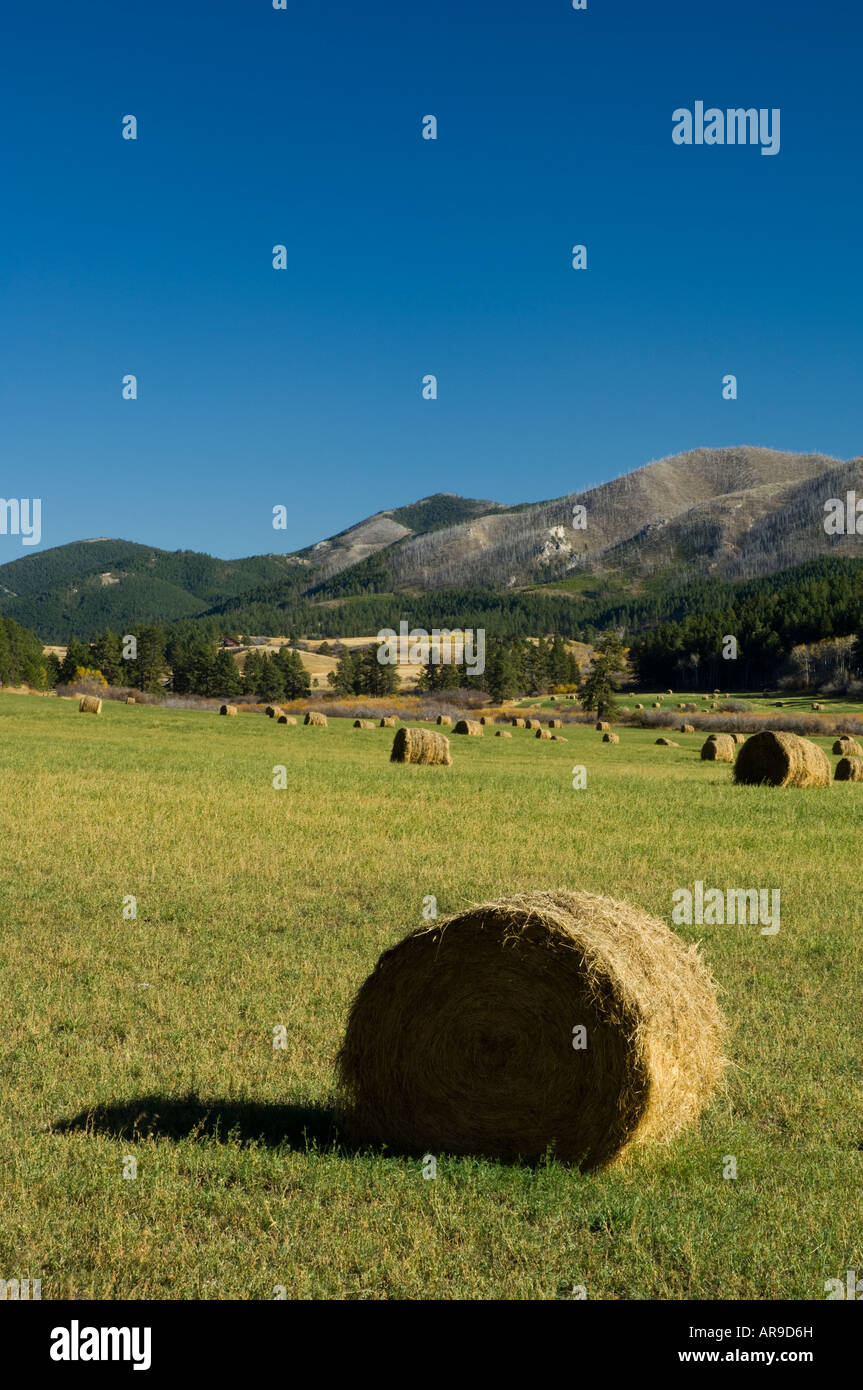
298, 1127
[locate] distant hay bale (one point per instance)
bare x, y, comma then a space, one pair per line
719, 748
130, 700
779, 704
611, 738
444, 719
555, 723
639, 706
534, 724
781, 760
543, 733
469, 726
286, 719
681, 707
687, 728
500, 996
389, 721
624, 709
552, 698
485, 719
817, 706
739, 738
667, 743
421, 746
602, 726
89, 704
228, 709
669, 692
364, 723
519, 723
849, 770
559, 738
570, 697
657, 705
273, 711
315, 717
848, 747
503, 733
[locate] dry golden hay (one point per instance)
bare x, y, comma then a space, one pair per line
848, 747
543, 733
130, 700
739, 738
611, 738
555, 723
639, 706
681, 707
669, 692
781, 760
657, 705
315, 717
421, 746
667, 743
687, 728
561, 1022
533, 724
389, 721
849, 770
817, 706
444, 719
469, 726
519, 724
486, 719
602, 726
559, 738
719, 748
286, 719
503, 733
228, 709
273, 711
364, 723
89, 704
624, 709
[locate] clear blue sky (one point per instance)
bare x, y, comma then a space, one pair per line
408, 257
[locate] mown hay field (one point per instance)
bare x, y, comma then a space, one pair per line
259, 908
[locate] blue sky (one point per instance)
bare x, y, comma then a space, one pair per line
405, 257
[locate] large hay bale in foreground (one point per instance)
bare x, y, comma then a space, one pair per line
421, 746
848, 747
781, 760
548, 1021
286, 719
602, 726
229, 709
611, 738
445, 720
503, 733
89, 704
472, 727
719, 748
518, 723
849, 770
543, 733
389, 721
364, 723
317, 719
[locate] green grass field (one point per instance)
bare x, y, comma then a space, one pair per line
259, 907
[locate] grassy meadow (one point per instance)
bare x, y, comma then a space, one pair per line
152, 1039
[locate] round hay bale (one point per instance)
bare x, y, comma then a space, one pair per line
611, 738
739, 738
817, 706
657, 705
472, 727
781, 760
543, 733
518, 724
681, 707
389, 721
719, 748
533, 724
667, 743
318, 720
848, 747
555, 723
552, 698
273, 711
444, 719
639, 706
669, 692
485, 719
602, 726
130, 700
849, 770
364, 723
687, 728
559, 738
89, 704
500, 996
228, 709
503, 733
286, 719
421, 746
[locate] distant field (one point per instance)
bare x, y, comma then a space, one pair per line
259, 907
